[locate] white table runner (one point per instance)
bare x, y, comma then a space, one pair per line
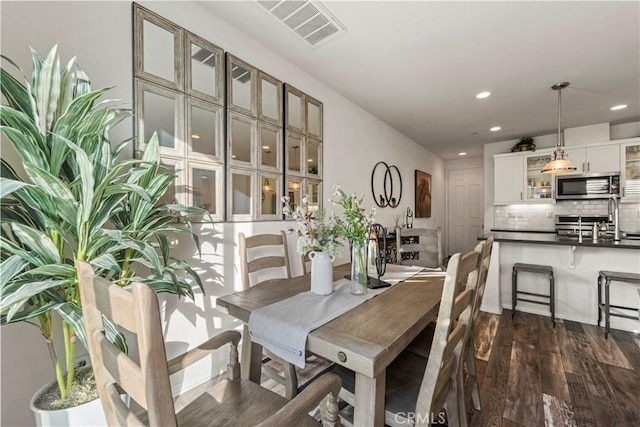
283, 327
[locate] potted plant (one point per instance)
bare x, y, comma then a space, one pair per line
77, 201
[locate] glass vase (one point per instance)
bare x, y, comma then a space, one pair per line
359, 251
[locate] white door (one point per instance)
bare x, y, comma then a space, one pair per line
465, 209
603, 159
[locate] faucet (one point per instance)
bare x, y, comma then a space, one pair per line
614, 216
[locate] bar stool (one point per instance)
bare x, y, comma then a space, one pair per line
608, 277
533, 268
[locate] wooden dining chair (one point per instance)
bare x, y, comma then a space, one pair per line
483, 249
423, 245
232, 401
265, 257
421, 386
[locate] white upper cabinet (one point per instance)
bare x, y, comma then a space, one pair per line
599, 158
508, 179
519, 178
630, 171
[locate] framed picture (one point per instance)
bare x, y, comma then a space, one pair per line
423, 195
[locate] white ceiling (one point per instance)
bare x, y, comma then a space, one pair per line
419, 65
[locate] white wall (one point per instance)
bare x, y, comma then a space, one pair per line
99, 34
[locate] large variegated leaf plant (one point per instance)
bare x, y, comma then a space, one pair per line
77, 200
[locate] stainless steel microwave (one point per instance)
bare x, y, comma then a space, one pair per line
588, 186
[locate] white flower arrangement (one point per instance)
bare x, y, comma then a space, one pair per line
317, 231
356, 224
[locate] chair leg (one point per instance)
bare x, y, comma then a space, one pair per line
470, 360
454, 408
599, 299
290, 381
607, 324
552, 302
514, 292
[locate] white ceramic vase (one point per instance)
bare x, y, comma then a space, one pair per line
321, 273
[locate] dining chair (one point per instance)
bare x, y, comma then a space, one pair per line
418, 387
423, 246
265, 257
483, 249
232, 401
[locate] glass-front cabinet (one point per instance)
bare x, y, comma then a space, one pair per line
630, 170
538, 186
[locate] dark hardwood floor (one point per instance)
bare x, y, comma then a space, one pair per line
532, 374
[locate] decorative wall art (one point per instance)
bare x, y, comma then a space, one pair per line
423, 194
386, 186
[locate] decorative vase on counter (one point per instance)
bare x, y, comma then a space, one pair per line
359, 251
321, 273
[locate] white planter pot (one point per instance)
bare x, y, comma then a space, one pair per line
87, 414
321, 273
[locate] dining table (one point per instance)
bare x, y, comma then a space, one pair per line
365, 339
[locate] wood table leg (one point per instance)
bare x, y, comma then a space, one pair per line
369, 400
251, 365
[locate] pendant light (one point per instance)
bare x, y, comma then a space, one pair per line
559, 165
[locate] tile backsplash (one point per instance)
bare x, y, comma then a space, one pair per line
542, 216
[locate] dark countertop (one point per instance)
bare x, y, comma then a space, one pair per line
507, 230
552, 239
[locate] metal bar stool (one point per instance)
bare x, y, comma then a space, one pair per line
533, 268
608, 277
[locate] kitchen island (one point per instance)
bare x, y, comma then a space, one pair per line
575, 265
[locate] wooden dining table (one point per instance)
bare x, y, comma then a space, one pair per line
365, 340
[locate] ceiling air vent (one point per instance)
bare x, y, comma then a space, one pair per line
309, 20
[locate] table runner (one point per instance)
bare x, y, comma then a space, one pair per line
283, 327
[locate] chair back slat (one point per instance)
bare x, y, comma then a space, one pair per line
147, 383
115, 304
124, 416
451, 330
122, 369
428, 247
265, 262
254, 260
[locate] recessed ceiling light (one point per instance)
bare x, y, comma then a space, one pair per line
495, 129
619, 107
265, 147
483, 95
309, 160
194, 136
462, 154
233, 156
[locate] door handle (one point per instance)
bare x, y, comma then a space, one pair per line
588, 167
583, 168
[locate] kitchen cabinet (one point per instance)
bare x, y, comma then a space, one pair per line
508, 173
630, 170
518, 178
538, 186
599, 158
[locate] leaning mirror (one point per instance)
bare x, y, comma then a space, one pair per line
294, 107
242, 139
159, 45
204, 135
160, 110
204, 69
240, 195
270, 98
294, 153
241, 86
270, 146
314, 118
270, 206
205, 185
